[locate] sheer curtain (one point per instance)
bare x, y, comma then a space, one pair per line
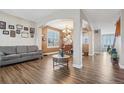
107, 40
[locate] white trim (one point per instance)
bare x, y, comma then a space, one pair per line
91, 54
51, 53
97, 52
77, 66
121, 66
53, 46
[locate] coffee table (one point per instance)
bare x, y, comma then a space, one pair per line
59, 60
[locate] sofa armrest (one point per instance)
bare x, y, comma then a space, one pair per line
40, 51
0, 58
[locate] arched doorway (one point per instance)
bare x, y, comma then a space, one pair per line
57, 34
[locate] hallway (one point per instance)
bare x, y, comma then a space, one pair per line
97, 69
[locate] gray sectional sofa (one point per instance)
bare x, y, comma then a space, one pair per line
16, 54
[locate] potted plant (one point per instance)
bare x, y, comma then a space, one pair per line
114, 55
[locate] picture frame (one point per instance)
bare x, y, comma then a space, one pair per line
26, 28
24, 34
2, 25
12, 33
32, 35
18, 31
5, 32
19, 27
32, 30
11, 27
96, 31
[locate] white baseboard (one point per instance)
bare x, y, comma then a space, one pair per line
91, 54
50, 53
77, 66
97, 52
121, 66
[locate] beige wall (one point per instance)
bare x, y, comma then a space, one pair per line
44, 42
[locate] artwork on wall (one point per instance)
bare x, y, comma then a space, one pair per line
2, 25
18, 31
24, 34
32, 30
96, 31
11, 27
32, 35
12, 33
5, 32
19, 27
26, 28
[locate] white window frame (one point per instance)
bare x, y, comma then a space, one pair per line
50, 30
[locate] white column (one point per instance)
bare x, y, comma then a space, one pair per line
91, 43
121, 61
39, 38
77, 42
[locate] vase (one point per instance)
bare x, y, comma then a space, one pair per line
62, 53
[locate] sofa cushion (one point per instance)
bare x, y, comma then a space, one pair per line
1, 53
10, 57
21, 49
7, 50
29, 54
32, 48
25, 54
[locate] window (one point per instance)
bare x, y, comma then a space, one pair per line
107, 40
52, 39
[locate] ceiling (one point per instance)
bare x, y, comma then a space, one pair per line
104, 19
61, 23
37, 14
29, 14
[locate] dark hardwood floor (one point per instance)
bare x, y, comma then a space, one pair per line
96, 70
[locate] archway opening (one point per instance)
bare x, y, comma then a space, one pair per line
57, 34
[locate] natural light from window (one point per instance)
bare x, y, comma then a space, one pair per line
52, 39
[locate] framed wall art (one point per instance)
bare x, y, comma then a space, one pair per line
26, 28
2, 25
5, 32
18, 31
32, 30
19, 27
32, 35
12, 33
24, 34
11, 27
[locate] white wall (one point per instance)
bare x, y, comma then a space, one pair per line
91, 51
6, 40
39, 38
108, 29
97, 42
121, 53
91, 33
118, 44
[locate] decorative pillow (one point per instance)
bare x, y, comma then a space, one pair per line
1, 53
